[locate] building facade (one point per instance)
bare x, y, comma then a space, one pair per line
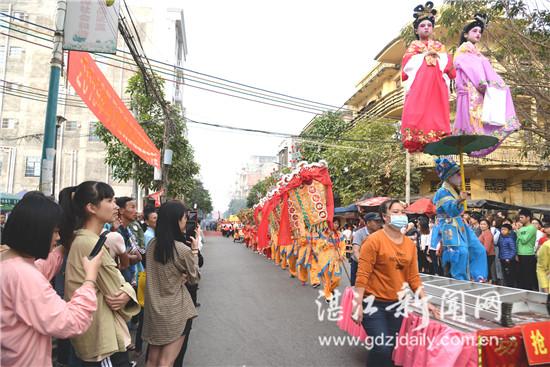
256, 169
24, 69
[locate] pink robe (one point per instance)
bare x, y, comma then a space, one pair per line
484, 104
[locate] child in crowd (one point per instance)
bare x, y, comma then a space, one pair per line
507, 254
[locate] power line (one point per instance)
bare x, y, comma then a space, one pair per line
305, 102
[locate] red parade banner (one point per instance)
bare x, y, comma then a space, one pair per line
96, 91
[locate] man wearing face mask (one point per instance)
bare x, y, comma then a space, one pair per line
460, 245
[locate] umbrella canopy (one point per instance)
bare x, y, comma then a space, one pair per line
8, 201
422, 206
457, 144
346, 209
376, 201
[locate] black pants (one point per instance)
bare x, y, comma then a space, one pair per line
490, 262
527, 273
353, 267
508, 271
139, 340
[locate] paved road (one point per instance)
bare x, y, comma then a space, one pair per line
253, 314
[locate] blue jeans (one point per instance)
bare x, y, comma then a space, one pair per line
353, 267
379, 326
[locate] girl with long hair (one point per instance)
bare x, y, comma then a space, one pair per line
87, 208
171, 266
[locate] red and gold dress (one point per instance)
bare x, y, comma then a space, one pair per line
426, 72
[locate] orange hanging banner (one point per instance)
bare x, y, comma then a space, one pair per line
94, 89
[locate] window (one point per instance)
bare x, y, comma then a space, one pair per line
495, 185
8, 123
32, 167
468, 185
532, 185
434, 186
16, 51
71, 125
91, 132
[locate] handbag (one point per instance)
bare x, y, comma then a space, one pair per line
141, 281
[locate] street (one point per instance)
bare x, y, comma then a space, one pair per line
253, 314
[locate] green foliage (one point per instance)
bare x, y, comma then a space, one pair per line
200, 196
259, 190
375, 166
235, 206
323, 129
126, 165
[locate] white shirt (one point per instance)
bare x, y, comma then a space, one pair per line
347, 234
425, 241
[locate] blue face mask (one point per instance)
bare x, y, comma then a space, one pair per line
399, 220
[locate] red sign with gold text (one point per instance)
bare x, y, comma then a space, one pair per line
94, 89
536, 338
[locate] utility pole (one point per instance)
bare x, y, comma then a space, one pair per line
408, 177
56, 63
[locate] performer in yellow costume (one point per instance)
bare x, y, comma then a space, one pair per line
292, 254
331, 248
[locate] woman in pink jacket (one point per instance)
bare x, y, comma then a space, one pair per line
31, 311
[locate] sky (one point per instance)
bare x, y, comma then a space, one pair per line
318, 50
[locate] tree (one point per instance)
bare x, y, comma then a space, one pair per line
322, 132
235, 206
199, 196
374, 165
517, 39
126, 165
259, 190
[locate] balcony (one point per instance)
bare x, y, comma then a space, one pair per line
368, 85
390, 104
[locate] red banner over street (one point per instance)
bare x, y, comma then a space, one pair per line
94, 89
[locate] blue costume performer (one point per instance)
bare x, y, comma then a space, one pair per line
461, 247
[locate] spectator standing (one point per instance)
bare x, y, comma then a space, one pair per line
387, 260
543, 263
526, 242
487, 239
348, 234
495, 231
507, 254
372, 223
32, 312
546, 237
86, 209
474, 223
425, 241
540, 234
150, 215
169, 307
128, 215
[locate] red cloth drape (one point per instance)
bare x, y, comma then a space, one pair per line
263, 240
285, 237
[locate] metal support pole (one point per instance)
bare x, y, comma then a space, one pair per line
56, 63
408, 178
